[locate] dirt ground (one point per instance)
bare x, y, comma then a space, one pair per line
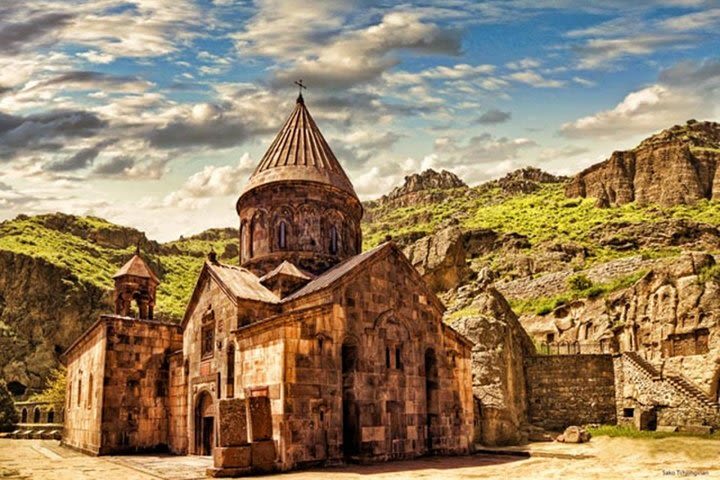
603, 458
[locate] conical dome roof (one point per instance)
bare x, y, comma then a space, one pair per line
136, 267
300, 153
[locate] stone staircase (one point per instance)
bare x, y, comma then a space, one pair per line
683, 385
678, 382
643, 365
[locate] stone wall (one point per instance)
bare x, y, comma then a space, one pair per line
309, 212
84, 399
31, 413
406, 389
135, 403
177, 406
568, 390
118, 384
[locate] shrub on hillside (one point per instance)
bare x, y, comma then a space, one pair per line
8, 414
579, 283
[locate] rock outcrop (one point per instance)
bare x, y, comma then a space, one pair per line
525, 180
676, 166
43, 308
440, 258
499, 383
428, 186
670, 317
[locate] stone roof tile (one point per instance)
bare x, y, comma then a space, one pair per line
241, 283
300, 153
136, 267
333, 275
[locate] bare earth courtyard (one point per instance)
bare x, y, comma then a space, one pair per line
603, 457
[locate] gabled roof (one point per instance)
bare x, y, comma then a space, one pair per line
300, 153
238, 284
241, 283
333, 275
287, 269
136, 267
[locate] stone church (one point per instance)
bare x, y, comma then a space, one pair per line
308, 352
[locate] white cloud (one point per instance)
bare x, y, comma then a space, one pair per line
702, 20
335, 57
599, 52
641, 112
686, 90
523, 64
534, 79
211, 181
94, 56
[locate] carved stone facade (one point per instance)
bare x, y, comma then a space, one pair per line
309, 352
310, 225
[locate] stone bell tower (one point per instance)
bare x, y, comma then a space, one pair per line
298, 205
135, 283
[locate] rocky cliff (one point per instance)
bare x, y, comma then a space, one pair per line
669, 316
499, 383
424, 187
677, 166
43, 308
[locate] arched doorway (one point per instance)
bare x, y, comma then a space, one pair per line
431, 397
51, 416
351, 412
24, 416
204, 424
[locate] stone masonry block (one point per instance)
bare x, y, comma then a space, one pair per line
263, 455
232, 457
232, 422
260, 418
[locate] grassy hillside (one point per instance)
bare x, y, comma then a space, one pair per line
93, 249
544, 216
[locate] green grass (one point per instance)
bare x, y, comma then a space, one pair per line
709, 274
545, 215
545, 305
629, 432
67, 242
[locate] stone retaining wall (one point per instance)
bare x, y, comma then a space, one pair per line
568, 390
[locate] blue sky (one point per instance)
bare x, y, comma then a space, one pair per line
152, 113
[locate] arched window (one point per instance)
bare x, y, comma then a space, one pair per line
282, 235
79, 391
333, 240
36, 415
24, 416
51, 416
251, 240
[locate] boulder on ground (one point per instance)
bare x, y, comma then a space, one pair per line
574, 434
